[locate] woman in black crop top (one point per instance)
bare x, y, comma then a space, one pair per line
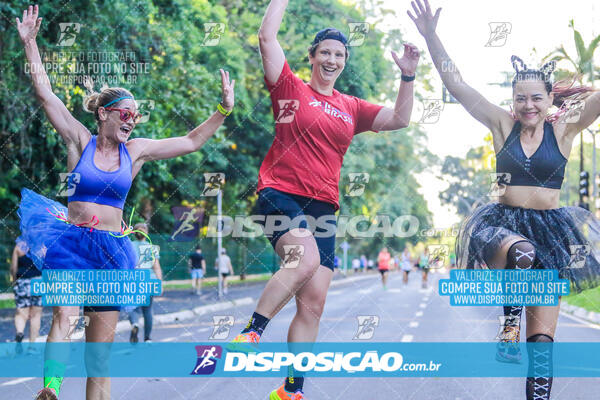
526, 228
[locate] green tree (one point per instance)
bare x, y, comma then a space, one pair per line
173, 66
469, 178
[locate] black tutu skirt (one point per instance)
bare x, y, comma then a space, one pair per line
565, 239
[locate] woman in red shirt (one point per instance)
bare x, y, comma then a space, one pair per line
298, 180
383, 265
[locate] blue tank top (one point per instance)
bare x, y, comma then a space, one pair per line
545, 168
99, 186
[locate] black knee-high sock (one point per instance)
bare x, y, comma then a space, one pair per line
257, 323
521, 255
539, 372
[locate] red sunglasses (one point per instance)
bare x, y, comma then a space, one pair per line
125, 114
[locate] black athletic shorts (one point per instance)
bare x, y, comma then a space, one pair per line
302, 212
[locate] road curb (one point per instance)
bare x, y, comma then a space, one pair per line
580, 312
350, 279
161, 319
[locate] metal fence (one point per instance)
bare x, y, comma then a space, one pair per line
248, 256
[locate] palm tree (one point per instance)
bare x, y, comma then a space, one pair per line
584, 65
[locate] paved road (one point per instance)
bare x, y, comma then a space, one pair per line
407, 314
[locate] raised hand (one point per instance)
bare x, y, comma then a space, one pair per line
227, 90
30, 26
425, 21
409, 61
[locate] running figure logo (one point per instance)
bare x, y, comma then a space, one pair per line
498, 34
366, 326
144, 108
212, 33
570, 111
579, 253
68, 183
287, 111
75, 332
507, 320
68, 33
438, 254
358, 183
358, 33
213, 183
432, 109
221, 326
187, 223
499, 182
207, 359
148, 253
292, 255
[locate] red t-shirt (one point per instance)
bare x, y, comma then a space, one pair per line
383, 260
312, 134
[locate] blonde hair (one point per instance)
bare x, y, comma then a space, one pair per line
95, 100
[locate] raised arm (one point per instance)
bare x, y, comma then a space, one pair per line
143, 150
589, 113
389, 119
492, 116
270, 49
71, 130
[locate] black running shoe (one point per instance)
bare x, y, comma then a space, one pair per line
19, 338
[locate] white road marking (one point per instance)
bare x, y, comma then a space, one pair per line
16, 381
413, 324
419, 314
581, 321
169, 339
407, 338
422, 305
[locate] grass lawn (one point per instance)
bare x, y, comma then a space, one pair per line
7, 303
588, 299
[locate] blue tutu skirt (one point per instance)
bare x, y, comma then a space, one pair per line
55, 244
565, 239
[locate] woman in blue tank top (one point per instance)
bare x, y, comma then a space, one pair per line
88, 235
525, 228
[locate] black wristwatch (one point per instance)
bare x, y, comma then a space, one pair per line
407, 78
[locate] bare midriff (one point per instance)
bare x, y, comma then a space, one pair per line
108, 217
538, 198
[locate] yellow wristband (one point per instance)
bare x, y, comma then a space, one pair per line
222, 110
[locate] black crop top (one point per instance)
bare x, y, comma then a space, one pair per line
545, 168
